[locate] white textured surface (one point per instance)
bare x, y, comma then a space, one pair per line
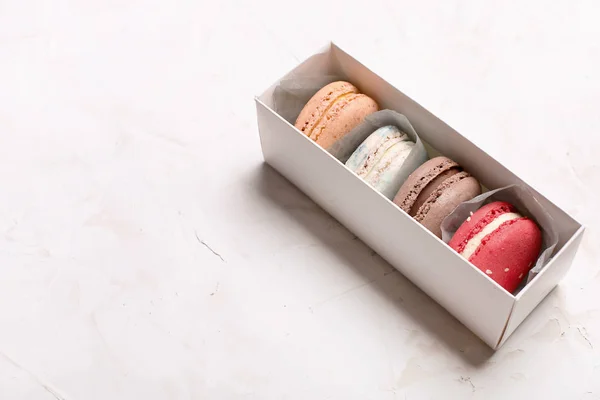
129, 150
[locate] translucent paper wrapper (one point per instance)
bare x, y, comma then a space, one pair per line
344, 147
526, 204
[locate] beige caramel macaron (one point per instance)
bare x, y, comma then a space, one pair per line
333, 112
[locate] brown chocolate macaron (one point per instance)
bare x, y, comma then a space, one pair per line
434, 190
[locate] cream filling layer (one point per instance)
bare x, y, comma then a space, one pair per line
475, 241
374, 158
388, 155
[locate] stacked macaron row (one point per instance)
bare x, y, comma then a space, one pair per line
431, 191
498, 240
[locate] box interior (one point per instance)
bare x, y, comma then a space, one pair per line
438, 137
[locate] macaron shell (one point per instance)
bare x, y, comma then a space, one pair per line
425, 178
334, 111
476, 222
378, 160
320, 102
430, 188
342, 118
507, 254
372, 149
445, 199
384, 178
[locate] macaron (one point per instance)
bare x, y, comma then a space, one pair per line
434, 190
500, 242
378, 160
333, 112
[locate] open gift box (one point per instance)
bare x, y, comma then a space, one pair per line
473, 298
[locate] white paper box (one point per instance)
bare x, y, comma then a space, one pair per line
478, 302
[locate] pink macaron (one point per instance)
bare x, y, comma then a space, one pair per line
500, 242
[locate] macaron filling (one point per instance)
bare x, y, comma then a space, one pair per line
424, 209
337, 91
431, 187
374, 159
376, 148
474, 242
320, 112
412, 197
385, 171
331, 114
483, 222
487, 238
